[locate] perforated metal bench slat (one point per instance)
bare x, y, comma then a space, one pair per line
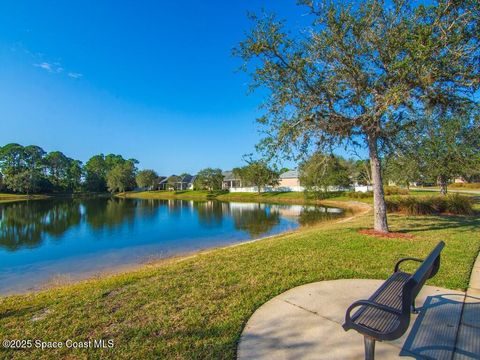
389, 294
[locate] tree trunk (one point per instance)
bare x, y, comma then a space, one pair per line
442, 182
379, 206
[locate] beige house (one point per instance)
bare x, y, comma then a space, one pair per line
289, 179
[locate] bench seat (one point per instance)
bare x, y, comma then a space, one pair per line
390, 295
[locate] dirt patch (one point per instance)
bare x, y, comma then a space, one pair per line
390, 235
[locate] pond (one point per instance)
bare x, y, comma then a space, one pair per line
54, 241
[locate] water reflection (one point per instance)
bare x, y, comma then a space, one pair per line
41, 240
25, 225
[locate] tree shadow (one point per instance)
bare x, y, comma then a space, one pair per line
441, 222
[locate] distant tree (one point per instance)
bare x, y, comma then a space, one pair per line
58, 165
320, 172
401, 169
146, 178
257, 173
12, 159
22, 167
98, 167
26, 181
209, 179
357, 73
121, 177
448, 147
96, 173
74, 175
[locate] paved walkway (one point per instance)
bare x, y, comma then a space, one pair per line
305, 323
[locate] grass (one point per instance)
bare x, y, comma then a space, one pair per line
272, 197
196, 307
15, 197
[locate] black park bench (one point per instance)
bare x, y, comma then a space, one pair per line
386, 314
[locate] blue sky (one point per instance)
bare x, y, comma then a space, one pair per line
152, 80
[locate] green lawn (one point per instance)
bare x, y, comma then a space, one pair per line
269, 197
293, 197
16, 197
196, 307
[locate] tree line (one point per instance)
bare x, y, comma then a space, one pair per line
30, 169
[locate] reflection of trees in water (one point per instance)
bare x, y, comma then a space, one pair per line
256, 219
210, 213
311, 215
101, 213
23, 224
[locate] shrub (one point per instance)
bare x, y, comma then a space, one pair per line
465, 186
395, 190
450, 204
321, 195
360, 195
457, 204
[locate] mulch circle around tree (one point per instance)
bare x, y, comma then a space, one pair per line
390, 235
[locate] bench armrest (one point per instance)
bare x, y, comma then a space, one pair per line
372, 304
397, 265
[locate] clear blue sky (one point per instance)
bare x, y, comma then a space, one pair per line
152, 80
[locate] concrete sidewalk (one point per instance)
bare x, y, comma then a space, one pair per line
468, 342
305, 323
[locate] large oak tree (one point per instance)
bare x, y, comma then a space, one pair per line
358, 72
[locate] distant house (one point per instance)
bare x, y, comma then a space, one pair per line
230, 181
289, 179
184, 182
162, 182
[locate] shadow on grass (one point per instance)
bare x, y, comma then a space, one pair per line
441, 222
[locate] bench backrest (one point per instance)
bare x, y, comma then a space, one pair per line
428, 268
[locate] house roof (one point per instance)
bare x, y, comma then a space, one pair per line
187, 179
290, 174
228, 175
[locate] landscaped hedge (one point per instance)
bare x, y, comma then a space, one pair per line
360, 195
450, 204
388, 190
465, 186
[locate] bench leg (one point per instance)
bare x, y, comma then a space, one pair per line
414, 309
369, 348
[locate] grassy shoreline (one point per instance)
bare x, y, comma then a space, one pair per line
15, 197
196, 307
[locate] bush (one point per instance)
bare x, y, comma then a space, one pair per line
465, 186
360, 195
450, 204
395, 190
321, 195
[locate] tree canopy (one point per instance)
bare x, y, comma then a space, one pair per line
444, 146
320, 173
121, 177
146, 178
358, 74
257, 173
209, 179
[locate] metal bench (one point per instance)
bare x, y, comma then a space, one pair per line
386, 314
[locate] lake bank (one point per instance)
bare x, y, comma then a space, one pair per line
196, 307
4, 197
63, 239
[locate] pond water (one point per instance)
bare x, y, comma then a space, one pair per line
51, 241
